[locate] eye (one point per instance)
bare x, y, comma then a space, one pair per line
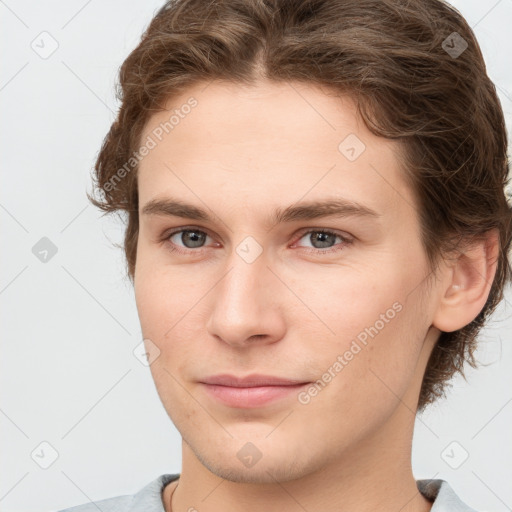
191, 238
324, 239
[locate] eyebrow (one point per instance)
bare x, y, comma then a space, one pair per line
309, 210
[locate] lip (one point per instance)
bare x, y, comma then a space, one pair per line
250, 391
249, 381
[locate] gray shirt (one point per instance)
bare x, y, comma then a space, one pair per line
149, 498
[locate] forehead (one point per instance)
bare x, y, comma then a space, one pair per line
269, 142
273, 112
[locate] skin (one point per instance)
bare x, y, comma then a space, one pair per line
240, 153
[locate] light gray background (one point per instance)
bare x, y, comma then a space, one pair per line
68, 374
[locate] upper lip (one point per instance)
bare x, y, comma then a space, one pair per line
249, 381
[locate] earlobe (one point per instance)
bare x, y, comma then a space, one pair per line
467, 284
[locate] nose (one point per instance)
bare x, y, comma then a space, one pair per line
246, 305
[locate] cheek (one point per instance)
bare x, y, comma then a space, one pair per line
360, 390
350, 304
168, 306
376, 331
163, 295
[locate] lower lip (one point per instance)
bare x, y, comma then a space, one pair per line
251, 397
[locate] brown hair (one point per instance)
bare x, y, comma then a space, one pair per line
398, 58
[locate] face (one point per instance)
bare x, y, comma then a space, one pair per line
268, 282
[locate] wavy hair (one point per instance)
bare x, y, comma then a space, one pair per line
407, 65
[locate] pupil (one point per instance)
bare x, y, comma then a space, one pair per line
323, 238
193, 237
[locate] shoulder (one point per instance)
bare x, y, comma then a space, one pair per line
107, 505
148, 499
443, 496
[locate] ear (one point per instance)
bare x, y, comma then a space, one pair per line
466, 284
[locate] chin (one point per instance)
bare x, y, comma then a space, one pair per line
275, 465
268, 473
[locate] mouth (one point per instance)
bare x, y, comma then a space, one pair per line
250, 391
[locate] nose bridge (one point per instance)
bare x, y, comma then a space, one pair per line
244, 285
243, 304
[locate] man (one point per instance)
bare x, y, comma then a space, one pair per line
317, 230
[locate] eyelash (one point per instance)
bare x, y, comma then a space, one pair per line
173, 248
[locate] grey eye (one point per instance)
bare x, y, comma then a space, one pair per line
190, 238
321, 239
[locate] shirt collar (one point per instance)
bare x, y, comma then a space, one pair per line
443, 496
438, 491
